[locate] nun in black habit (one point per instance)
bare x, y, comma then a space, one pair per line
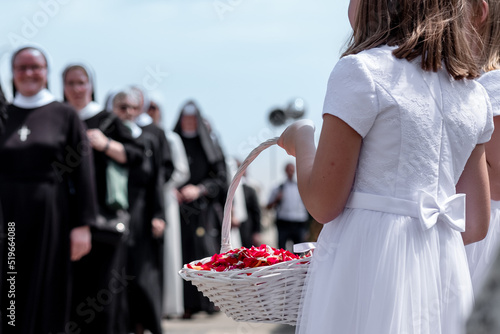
101, 275
3, 119
201, 199
144, 247
3, 110
45, 155
146, 123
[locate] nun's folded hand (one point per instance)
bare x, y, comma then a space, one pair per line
190, 193
97, 139
299, 131
157, 227
81, 242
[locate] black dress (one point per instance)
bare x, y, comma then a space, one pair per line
167, 166
3, 119
202, 218
3, 110
101, 280
42, 152
144, 258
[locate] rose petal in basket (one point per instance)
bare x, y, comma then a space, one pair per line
261, 294
269, 294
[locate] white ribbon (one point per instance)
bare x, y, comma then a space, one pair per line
451, 211
426, 208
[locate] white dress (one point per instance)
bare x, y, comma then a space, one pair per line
481, 255
378, 268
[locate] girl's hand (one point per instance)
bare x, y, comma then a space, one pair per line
293, 133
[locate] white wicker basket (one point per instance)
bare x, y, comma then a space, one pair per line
269, 294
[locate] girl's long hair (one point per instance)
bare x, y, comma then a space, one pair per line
436, 30
491, 38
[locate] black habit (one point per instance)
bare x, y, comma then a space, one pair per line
45, 155
201, 219
252, 225
144, 259
100, 282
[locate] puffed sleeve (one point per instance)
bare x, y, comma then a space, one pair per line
351, 94
491, 82
487, 119
489, 126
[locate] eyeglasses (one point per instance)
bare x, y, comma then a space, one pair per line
33, 68
124, 107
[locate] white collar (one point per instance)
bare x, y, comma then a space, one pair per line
143, 120
134, 128
40, 99
90, 110
190, 134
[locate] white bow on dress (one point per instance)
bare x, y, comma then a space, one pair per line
452, 211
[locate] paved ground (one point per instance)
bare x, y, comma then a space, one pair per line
221, 324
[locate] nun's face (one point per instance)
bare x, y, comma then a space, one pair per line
126, 108
77, 88
30, 72
154, 112
189, 123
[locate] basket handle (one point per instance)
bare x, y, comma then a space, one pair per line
226, 221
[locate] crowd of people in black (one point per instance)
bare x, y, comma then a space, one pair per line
101, 206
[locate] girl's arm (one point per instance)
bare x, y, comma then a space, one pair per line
324, 175
493, 160
475, 184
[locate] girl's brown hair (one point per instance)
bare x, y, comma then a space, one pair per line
491, 38
437, 30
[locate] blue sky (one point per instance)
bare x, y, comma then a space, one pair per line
238, 59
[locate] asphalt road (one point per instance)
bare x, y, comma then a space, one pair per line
219, 323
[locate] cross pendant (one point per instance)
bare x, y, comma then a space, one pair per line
23, 133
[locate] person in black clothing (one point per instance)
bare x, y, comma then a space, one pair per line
144, 260
147, 124
3, 110
292, 218
111, 141
45, 160
201, 199
250, 228
3, 119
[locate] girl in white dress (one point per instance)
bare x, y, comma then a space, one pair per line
482, 254
400, 148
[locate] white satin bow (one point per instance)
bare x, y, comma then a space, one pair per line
452, 211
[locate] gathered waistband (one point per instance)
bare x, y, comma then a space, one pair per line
427, 208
